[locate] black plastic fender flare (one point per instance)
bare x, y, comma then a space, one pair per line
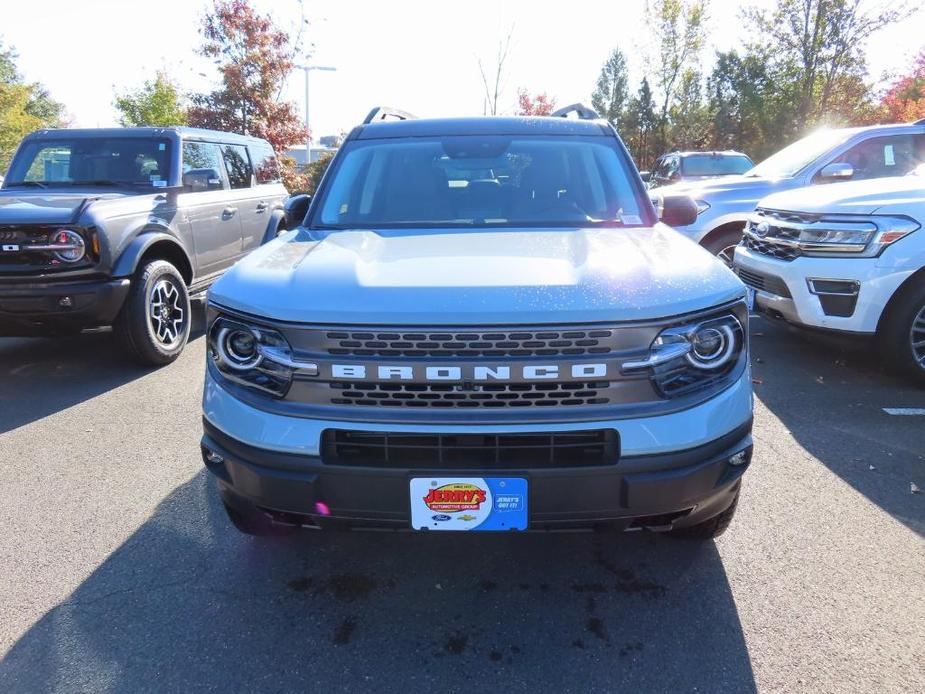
127, 263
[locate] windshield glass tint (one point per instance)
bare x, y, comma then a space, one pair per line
714, 165
92, 161
480, 181
801, 153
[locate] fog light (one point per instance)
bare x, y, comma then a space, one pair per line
65, 302
739, 458
214, 458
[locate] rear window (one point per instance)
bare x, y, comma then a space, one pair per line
237, 165
266, 165
715, 165
480, 181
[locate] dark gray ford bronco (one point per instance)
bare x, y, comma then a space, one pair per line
119, 227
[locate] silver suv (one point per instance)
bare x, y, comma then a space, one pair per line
826, 156
121, 226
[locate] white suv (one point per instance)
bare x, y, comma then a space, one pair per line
849, 257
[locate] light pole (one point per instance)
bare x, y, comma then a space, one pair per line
306, 69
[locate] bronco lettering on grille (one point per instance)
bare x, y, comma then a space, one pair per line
538, 372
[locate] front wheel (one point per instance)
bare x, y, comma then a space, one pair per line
154, 323
902, 334
724, 246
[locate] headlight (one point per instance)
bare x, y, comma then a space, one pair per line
702, 206
864, 239
686, 357
67, 246
254, 356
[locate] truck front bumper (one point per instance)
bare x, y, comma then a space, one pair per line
49, 308
654, 484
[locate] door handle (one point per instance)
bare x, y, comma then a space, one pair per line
261, 206
228, 212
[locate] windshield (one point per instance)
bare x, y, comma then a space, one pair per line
91, 161
480, 181
800, 154
715, 164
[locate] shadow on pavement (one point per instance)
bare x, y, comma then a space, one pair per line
187, 604
41, 376
831, 400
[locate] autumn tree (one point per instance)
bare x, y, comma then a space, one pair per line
156, 103
609, 98
538, 105
493, 81
24, 107
904, 101
254, 57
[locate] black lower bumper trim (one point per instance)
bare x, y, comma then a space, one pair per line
692, 485
58, 307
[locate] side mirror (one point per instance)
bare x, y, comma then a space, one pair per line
198, 180
296, 208
839, 171
677, 210
646, 176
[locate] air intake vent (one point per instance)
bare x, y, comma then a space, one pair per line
476, 451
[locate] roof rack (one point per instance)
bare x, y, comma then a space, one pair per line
584, 112
386, 112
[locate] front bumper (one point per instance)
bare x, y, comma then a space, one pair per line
649, 486
792, 299
49, 308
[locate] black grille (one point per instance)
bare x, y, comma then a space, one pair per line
462, 451
766, 283
23, 236
493, 343
487, 395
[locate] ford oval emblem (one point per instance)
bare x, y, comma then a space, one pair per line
762, 229
441, 517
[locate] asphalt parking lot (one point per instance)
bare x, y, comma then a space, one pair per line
120, 572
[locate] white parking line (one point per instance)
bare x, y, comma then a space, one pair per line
905, 411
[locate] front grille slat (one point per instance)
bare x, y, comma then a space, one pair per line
468, 344
476, 451
492, 395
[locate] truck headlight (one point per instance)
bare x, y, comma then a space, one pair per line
862, 239
254, 356
67, 246
690, 356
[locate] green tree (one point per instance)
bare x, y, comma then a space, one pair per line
157, 103
814, 50
679, 29
689, 114
24, 107
610, 94
640, 122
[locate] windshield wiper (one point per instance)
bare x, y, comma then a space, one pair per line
27, 184
106, 182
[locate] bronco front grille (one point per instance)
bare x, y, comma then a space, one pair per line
477, 451
462, 396
482, 343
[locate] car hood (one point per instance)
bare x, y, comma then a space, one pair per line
732, 187
435, 277
43, 207
855, 197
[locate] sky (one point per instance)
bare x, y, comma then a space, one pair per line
418, 55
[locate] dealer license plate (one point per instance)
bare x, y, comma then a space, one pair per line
750, 298
468, 503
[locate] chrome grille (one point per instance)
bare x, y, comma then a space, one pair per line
490, 343
486, 395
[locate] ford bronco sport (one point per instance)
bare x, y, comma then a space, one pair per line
481, 324
120, 226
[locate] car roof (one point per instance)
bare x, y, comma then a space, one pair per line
480, 125
181, 131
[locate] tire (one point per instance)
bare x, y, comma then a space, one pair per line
710, 528
154, 323
901, 337
256, 523
723, 246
